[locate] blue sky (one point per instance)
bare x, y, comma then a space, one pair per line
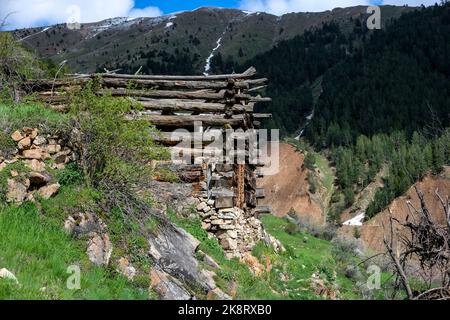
32, 13
168, 6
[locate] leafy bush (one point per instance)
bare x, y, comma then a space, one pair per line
116, 152
344, 250
71, 174
310, 161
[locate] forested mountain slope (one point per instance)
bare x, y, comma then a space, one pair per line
179, 43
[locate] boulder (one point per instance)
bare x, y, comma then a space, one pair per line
25, 143
17, 136
34, 134
99, 250
36, 154
201, 206
228, 244
49, 191
217, 294
53, 148
17, 191
174, 251
6, 274
166, 286
125, 268
35, 165
39, 140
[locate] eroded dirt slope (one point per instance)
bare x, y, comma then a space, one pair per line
373, 231
289, 189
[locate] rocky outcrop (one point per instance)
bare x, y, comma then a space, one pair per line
174, 250
89, 226
99, 249
125, 268
166, 286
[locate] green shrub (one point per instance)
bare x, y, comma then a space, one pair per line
116, 152
310, 161
71, 174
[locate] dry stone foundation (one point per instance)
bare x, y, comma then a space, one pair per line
38, 153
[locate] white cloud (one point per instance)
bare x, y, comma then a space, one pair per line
279, 7
26, 13
146, 12
412, 3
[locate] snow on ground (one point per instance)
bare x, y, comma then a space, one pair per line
169, 24
208, 60
308, 118
42, 31
355, 221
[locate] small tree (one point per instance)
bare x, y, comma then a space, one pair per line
16, 64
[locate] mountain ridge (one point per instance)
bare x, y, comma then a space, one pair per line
186, 37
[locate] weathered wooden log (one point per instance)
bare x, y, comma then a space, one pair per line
167, 94
245, 75
189, 120
197, 106
174, 138
262, 115
141, 83
180, 84
256, 82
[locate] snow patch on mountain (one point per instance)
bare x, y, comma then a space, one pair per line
31, 35
208, 60
355, 221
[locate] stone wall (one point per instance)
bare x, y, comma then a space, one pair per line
40, 155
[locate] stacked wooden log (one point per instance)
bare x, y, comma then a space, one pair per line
217, 103
171, 101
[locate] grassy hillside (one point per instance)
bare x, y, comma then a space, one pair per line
38, 251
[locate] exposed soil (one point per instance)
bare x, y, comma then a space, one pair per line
373, 231
289, 189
